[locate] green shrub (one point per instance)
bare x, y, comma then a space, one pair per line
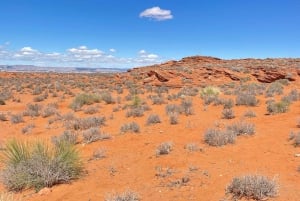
37, 164
209, 94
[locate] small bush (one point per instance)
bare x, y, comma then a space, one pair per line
28, 128
135, 112
84, 99
277, 107
215, 137
86, 123
3, 117
107, 98
247, 99
93, 135
153, 119
124, 196
173, 118
187, 107
132, 127
296, 138
249, 114
91, 110
48, 111
16, 118
164, 148
171, 108
274, 88
242, 128
209, 94
37, 165
66, 137
192, 147
99, 154
228, 114
32, 110
256, 187
157, 100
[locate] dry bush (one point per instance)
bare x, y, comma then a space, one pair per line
49, 110
246, 98
28, 128
3, 117
135, 112
186, 107
94, 134
242, 128
255, 187
164, 148
130, 127
32, 110
296, 138
157, 100
277, 107
99, 154
216, 137
91, 110
153, 119
124, 196
171, 108
249, 114
173, 118
8, 197
228, 114
16, 118
85, 123
66, 137
274, 88
84, 99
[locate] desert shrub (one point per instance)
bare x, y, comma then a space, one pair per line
84, 99
28, 128
135, 112
173, 118
255, 187
291, 97
192, 147
295, 137
3, 117
153, 119
48, 111
16, 118
228, 114
130, 127
37, 90
209, 94
99, 154
86, 123
164, 148
247, 99
242, 128
94, 134
107, 98
171, 108
277, 107
161, 89
188, 91
249, 114
37, 165
157, 100
215, 137
39, 98
124, 196
274, 88
32, 110
2, 102
91, 110
227, 103
66, 137
186, 107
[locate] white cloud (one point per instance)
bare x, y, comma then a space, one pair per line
157, 13
80, 56
112, 50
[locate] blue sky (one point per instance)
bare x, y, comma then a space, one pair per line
127, 33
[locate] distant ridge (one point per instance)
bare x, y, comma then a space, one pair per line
32, 68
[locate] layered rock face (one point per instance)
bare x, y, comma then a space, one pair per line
202, 70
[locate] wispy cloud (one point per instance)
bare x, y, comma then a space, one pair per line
82, 56
157, 13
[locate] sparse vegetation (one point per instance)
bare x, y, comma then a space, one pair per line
16, 118
130, 127
216, 137
84, 99
255, 187
37, 164
94, 134
124, 196
277, 107
228, 114
153, 119
164, 148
